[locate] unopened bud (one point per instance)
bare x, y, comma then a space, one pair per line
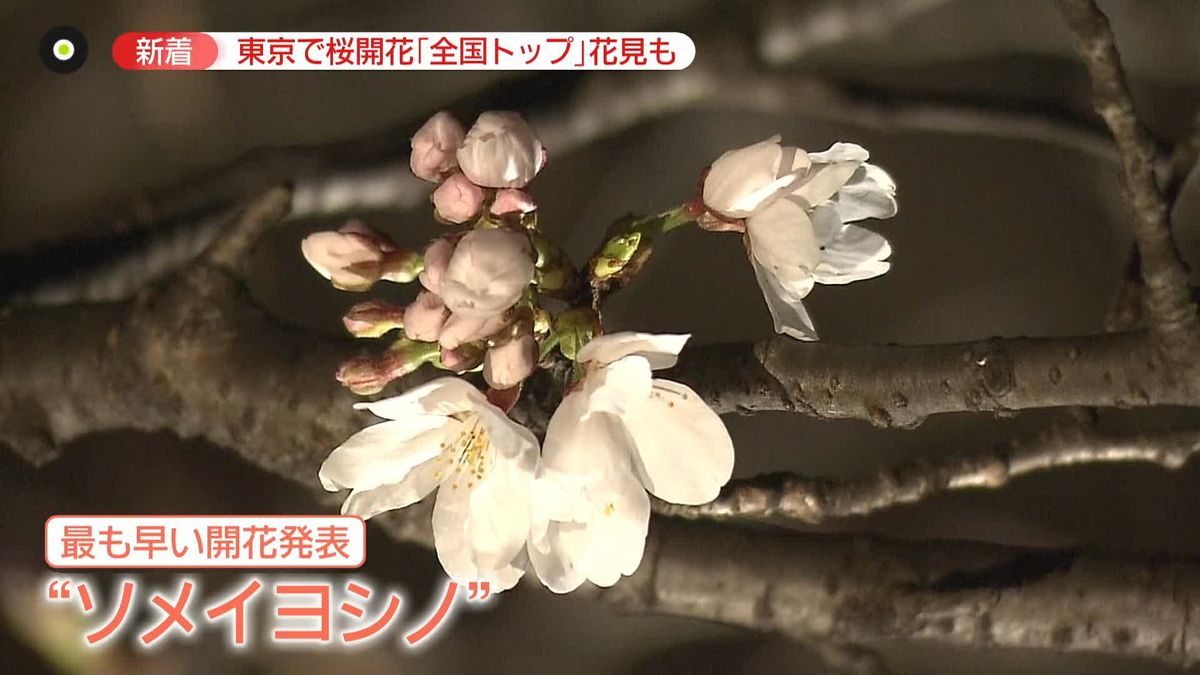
463, 358
510, 200
434, 147
574, 328
437, 258
457, 200
401, 266
507, 365
373, 318
424, 318
353, 258
366, 375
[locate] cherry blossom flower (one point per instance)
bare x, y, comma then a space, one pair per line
446, 436
797, 208
501, 151
619, 434
434, 147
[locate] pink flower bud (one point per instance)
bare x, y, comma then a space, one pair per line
437, 258
373, 318
488, 272
424, 318
434, 147
367, 375
459, 330
501, 151
370, 374
352, 261
512, 201
377, 238
457, 199
507, 365
461, 359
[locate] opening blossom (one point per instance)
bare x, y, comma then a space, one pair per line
446, 436
487, 273
471, 284
797, 208
498, 297
619, 434
501, 151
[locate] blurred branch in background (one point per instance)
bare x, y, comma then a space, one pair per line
351, 176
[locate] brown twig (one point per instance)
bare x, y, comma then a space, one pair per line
1173, 316
813, 500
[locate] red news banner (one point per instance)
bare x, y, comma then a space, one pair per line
403, 51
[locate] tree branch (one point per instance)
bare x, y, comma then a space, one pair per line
813, 500
1173, 315
900, 385
865, 591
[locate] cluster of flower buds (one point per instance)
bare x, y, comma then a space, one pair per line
478, 303
489, 164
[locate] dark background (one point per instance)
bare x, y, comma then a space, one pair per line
109, 177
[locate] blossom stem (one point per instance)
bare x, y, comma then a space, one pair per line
628, 246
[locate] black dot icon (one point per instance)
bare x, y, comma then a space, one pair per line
63, 49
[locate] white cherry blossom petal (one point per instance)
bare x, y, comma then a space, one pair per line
452, 521
742, 180
443, 396
619, 386
417, 485
558, 553
582, 445
783, 241
790, 316
870, 193
660, 350
855, 254
617, 528
840, 152
684, 453
500, 507
590, 510
829, 172
386, 452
